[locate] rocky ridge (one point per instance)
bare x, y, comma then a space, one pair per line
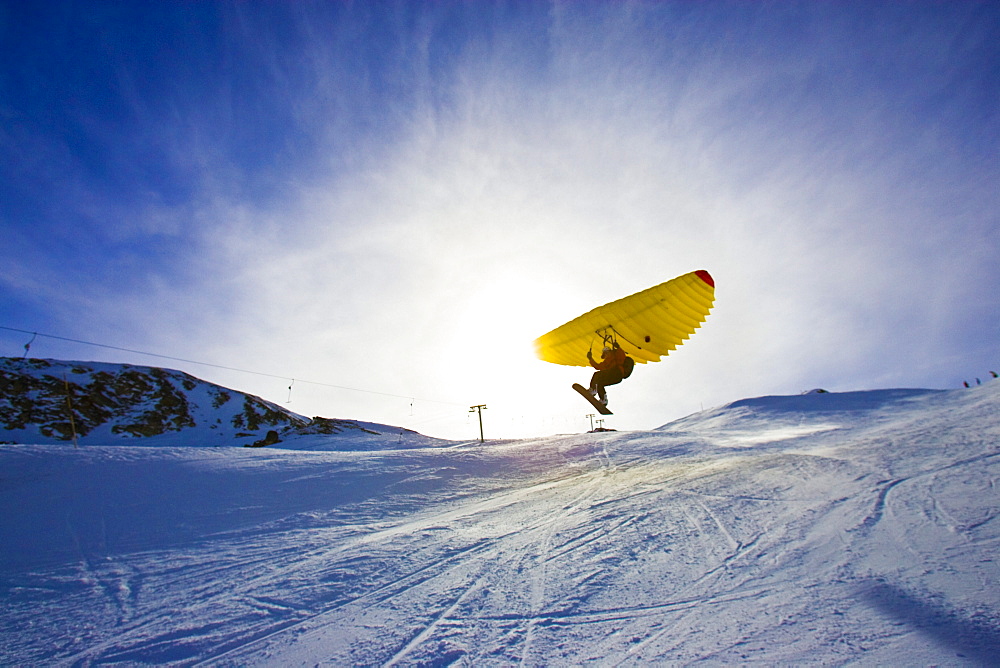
54, 401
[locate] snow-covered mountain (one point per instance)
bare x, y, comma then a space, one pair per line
828, 529
55, 401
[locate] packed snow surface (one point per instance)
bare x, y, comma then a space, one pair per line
820, 529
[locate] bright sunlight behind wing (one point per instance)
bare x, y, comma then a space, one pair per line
490, 347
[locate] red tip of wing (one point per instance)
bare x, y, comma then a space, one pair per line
705, 276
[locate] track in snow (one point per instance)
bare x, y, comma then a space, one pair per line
843, 544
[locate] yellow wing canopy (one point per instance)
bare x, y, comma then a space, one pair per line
647, 325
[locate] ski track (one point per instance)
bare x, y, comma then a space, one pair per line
411, 582
581, 549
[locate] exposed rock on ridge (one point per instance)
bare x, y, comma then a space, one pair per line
45, 401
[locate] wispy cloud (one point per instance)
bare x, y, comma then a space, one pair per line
400, 198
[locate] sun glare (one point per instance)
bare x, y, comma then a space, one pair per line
493, 343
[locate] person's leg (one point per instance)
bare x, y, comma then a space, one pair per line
602, 379
611, 377
595, 383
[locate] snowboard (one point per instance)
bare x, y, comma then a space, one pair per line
601, 408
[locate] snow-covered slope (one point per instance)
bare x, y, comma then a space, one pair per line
857, 528
55, 401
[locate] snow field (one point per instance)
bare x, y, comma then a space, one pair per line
829, 529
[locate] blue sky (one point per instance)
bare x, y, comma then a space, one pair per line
399, 197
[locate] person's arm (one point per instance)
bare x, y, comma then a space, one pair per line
605, 363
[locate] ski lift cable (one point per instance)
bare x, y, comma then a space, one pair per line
227, 368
